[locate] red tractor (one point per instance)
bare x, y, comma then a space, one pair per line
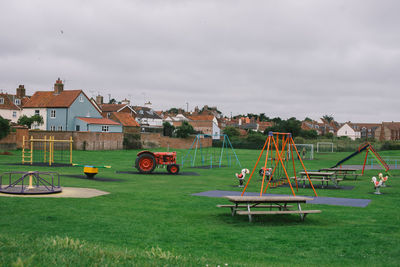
147, 161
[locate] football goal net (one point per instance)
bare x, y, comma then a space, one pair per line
324, 147
306, 151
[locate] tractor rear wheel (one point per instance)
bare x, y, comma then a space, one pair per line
145, 163
173, 168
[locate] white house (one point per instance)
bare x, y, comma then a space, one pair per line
11, 105
349, 131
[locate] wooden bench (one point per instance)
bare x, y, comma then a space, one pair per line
343, 172
318, 179
302, 213
234, 208
280, 202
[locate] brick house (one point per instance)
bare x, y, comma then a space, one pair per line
206, 124
387, 131
129, 124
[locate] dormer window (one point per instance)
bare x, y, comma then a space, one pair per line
17, 101
1, 100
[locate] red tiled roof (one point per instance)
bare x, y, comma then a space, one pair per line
103, 121
125, 119
202, 117
7, 103
47, 99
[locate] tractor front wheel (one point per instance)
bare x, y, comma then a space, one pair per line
173, 169
145, 163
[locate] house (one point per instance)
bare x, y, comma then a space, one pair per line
67, 110
388, 131
107, 109
348, 130
97, 125
129, 124
148, 118
322, 126
11, 105
206, 124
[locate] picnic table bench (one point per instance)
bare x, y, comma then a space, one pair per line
343, 172
323, 177
243, 205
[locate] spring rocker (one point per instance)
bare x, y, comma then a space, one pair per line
30, 183
282, 151
89, 170
383, 179
241, 176
377, 185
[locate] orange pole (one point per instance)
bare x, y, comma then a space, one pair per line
265, 166
365, 161
251, 175
270, 177
304, 168
294, 168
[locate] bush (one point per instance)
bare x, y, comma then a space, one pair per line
231, 131
4, 127
132, 141
184, 130
390, 145
168, 129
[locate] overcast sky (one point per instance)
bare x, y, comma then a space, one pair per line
283, 58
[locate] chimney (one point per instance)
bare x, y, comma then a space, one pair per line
20, 91
99, 100
148, 104
58, 87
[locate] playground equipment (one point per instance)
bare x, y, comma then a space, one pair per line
282, 149
383, 179
147, 161
241, 176
32, 182
377, 185
368, 147
201, 155
47, 150
89, 170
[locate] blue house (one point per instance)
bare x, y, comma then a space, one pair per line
63, 110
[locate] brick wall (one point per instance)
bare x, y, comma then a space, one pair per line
14, 139
154, 140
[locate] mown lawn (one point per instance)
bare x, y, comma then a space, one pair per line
153, 220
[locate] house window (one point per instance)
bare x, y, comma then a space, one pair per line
14, 114
17, 102
1, 100
77, 128
104, 128
37, 112
53, 113
81, 99
108, 114
52, 128
59, 128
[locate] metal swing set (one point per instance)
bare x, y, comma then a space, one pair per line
282, 151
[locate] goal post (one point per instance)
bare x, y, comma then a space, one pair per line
324, 147
306, 151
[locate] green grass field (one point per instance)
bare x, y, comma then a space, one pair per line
153, 220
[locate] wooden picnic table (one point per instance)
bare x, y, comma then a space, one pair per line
271, 202
343, 172
323, 177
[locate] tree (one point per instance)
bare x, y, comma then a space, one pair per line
262, 117
4, 127
28, 121
308, 119
328, 118
112, 101
291, 125
309, 134
231, 131
184, 130
173, 111
168, 129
